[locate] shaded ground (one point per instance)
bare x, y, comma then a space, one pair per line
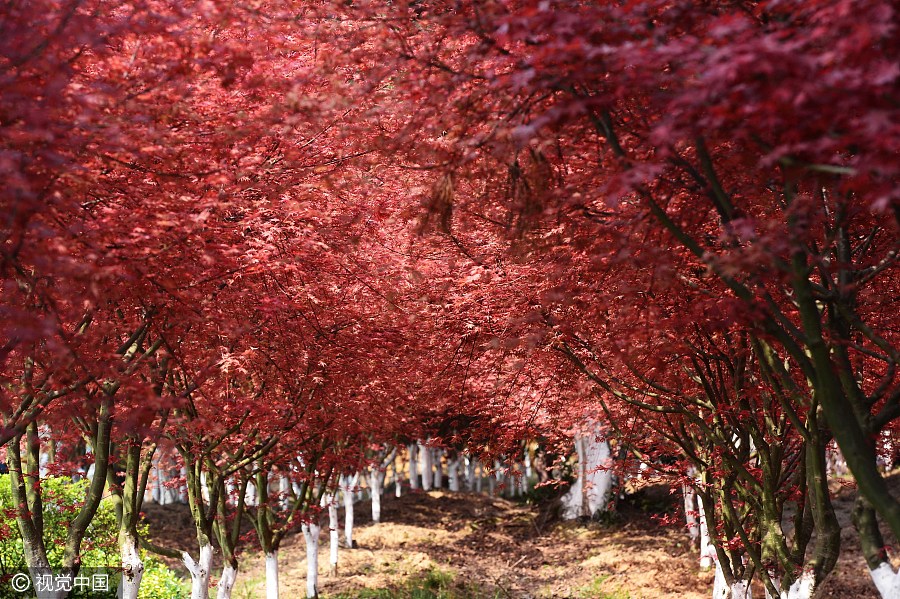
497, 548
478, 546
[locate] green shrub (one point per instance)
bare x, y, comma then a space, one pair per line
431, 584
62, 499
160, 582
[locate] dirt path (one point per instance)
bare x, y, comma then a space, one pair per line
475, 546
492, 547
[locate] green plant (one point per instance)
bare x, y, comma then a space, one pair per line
99, 551
160, 582
598, 589
61, 499
431, 584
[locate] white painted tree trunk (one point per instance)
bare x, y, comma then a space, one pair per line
376, 484
590, 491
470, 473
132, 568
398, 491
347, 485
438, 469
229, 491
333, 534
284, 486
311, 534
158, 481
528, 469
182, 490
739, 590
250, 497
226, 582
413, 466
691, 514
425, 466
886, 580
707, 550
453, 472
803, 588
272, 574
199, 571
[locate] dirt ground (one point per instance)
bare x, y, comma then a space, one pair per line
495, 548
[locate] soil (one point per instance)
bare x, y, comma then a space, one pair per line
494, 547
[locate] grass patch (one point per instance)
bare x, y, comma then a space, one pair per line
431, 584
247, 588
598, 589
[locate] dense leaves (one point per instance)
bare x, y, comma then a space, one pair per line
269, 237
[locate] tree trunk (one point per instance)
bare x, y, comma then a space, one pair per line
398, 489
438, 470
425, 466
347, 491
707, 551
226, 582
740, 589
886, 579
199, 571
311, 534
284, 487
590, 491
376, 482
803, 588
453, 472
272, 573
182, 490
413, 467
158, 481
333, 534
132, 566
691, 514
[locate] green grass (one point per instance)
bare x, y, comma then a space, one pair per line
598, 589
249, 588
432, 584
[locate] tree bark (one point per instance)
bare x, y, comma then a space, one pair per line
413, 466
376, 482
333, 533
453, 472
886, 579
740, 589
425, 466
438, 454
347, 485
272, 574
311, 535
199, 571
226, 582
